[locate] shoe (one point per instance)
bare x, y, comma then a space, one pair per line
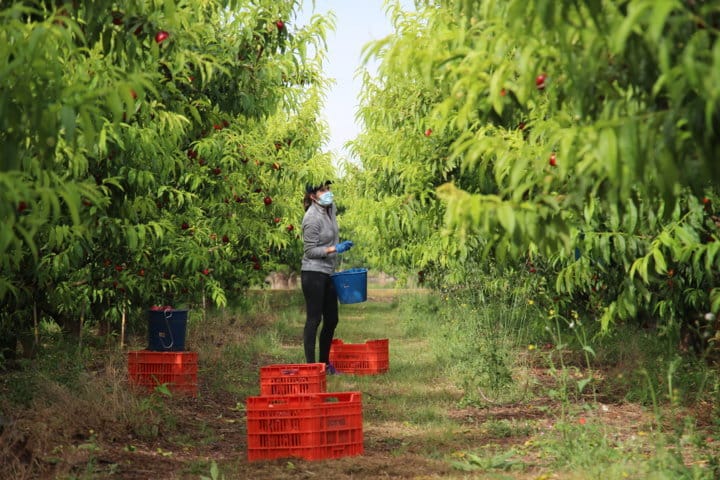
330, 370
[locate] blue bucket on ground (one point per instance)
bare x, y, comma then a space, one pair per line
166, 330
351, 285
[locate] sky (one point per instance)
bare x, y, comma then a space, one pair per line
357, 22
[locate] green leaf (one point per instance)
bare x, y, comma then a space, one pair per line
661, 10
506, 217
640, 266
589, 349
608, 150
660, 265
583, 383
629, 24
67, 118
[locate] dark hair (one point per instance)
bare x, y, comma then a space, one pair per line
307, 200
310, 188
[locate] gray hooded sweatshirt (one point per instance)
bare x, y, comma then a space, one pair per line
320, 230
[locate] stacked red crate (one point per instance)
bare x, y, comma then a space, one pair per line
312, 426
293, 379
177, 370
369, 358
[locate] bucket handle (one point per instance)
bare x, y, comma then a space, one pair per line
167, 313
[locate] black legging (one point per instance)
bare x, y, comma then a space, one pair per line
321, 305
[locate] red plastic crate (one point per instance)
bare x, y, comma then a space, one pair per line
148, 369
369, 358
313, 426
293, 379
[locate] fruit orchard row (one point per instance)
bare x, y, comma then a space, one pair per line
153, 152
575, 139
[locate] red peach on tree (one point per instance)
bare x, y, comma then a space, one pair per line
161, 36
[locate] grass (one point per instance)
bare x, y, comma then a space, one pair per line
418, 422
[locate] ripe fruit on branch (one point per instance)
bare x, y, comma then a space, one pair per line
428, 132
290, 227
217, 171
161, 36
184, 226
206, 271
267, 200
225, 239
117, 18
141, 272
277, 219
280, 24
540, 81
553, 159
22, 206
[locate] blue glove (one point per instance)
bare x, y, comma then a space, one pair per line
344, 246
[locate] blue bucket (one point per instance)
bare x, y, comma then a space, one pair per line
166, 330
351, 285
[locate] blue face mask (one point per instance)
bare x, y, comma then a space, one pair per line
326, 199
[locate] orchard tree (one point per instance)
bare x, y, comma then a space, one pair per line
138, 165
578, 136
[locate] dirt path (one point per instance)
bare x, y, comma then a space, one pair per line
392, 449
413, 425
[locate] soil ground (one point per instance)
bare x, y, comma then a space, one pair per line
212, 427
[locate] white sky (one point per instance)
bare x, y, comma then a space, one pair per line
357, 22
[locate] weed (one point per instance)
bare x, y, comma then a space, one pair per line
480, 331
505, 428
214, 473
494, 461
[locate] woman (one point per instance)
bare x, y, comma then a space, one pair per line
322, 246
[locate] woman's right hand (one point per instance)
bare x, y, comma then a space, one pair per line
343, 247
